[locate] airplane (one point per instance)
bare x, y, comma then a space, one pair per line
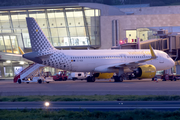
143, 63
96, 75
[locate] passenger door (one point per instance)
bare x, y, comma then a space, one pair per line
122, 58
161, 59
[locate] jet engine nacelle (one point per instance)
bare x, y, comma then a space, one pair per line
103, 75
145, 71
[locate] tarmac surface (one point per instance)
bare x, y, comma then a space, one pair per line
100, 87
95, 105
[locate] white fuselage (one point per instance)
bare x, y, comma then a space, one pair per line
89, 60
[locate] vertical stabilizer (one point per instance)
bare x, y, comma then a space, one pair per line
39, 42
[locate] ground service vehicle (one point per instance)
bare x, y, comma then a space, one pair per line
29, 72
62, 75
44, 77
47, 77
170, 77
77, 76
36, 79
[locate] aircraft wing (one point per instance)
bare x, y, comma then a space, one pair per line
131, 64
136, 63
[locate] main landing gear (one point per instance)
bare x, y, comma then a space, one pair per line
119, 77
91, 79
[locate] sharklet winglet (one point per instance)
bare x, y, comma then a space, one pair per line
22, 52
153, 55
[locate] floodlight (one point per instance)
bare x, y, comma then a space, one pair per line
21, 62
8, 61
47, 104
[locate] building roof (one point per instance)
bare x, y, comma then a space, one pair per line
132, 6
106, 10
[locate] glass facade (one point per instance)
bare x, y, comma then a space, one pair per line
9, 44
76, 26
2, 46
8, 71
5, 22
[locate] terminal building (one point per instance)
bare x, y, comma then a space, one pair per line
87, 26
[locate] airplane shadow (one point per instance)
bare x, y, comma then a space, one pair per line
124, 82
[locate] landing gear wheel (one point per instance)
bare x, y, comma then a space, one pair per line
39, 81
118, 78
115, 78
174, 79
88, 79
91, 79
19, 81
121, 78
130, 77
65, 79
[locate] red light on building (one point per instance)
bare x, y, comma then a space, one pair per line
121, 42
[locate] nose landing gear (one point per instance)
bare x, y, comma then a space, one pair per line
90, 79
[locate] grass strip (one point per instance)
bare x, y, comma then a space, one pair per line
90, 98
86, 115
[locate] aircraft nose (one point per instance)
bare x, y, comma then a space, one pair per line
172, 62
